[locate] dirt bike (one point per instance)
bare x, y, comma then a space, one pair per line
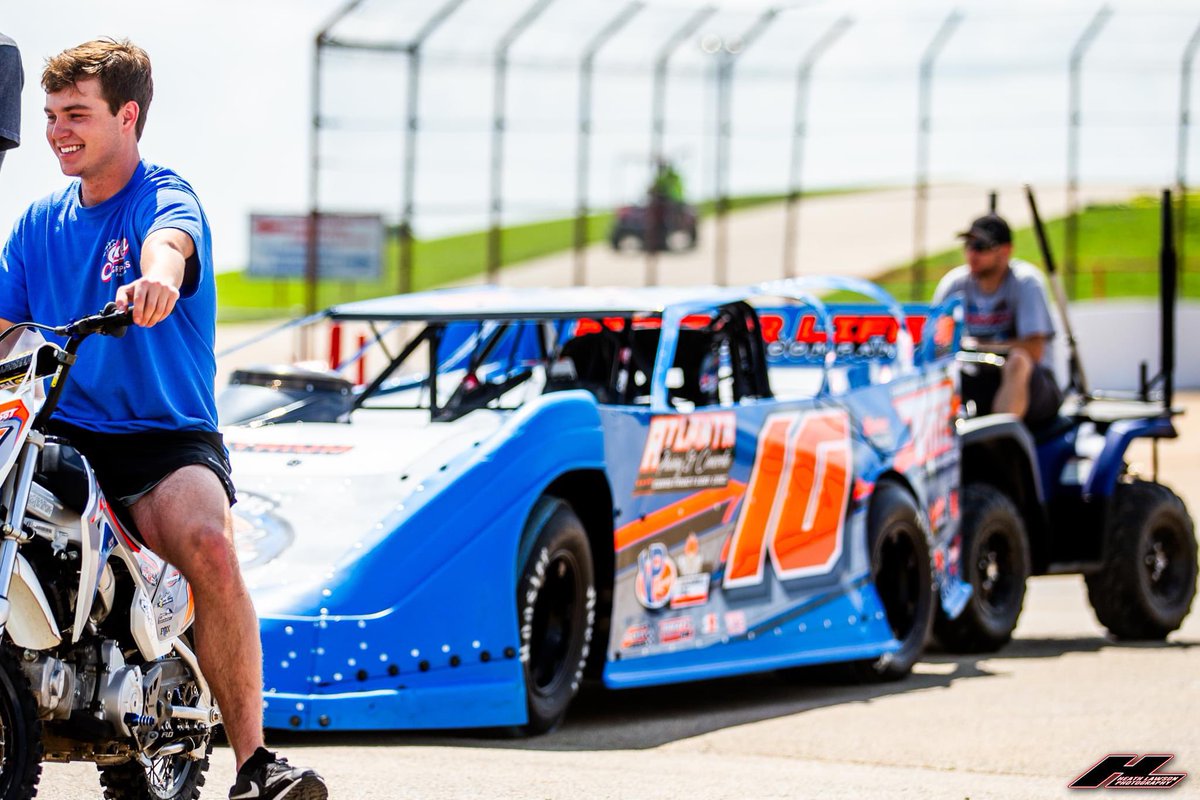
95, 659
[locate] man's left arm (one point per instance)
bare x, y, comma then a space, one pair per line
1034, 325
167, 255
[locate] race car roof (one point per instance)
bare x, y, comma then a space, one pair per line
503, 302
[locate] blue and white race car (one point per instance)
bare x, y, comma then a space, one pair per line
643, 486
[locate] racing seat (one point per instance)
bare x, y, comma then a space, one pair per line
585, 362
695, 355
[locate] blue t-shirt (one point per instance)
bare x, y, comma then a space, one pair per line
65, 261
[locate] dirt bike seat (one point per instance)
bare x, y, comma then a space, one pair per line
62, 471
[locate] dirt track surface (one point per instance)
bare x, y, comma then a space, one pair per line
1022, 723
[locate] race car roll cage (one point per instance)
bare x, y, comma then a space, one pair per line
665, 332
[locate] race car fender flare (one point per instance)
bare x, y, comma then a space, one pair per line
481, 502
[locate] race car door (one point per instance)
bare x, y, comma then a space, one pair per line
732, 549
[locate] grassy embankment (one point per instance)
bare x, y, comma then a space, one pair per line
1118, 253
436, 262
1118, 257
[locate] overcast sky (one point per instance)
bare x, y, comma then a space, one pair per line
231, 110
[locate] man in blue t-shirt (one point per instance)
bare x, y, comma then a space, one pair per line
1006, 312
141, 408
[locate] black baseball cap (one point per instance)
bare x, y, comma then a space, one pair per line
988, 231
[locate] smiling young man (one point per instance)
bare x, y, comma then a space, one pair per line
1006, 312
141, 408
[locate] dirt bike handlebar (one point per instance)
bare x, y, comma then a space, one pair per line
109, 322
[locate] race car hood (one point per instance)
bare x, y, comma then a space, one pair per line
311, 494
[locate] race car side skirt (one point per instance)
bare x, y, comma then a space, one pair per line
848, 628
471, 705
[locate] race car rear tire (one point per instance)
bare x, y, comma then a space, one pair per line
996, 563
903, 577
556, 607
1146, 587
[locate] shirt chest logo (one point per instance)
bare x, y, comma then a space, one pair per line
116, 259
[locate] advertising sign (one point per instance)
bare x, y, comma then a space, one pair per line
350, 246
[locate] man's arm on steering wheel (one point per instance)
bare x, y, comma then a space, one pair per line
165, 262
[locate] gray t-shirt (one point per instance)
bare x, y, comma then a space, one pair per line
12, 78
1016, 310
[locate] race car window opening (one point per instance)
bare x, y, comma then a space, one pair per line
738, 355
476, 365
379, 339
374, 387
487, 380
588, 362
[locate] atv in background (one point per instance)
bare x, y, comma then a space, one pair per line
659, 224
1062, 499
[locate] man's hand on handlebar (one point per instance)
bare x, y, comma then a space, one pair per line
111, 321
151, 300
164, 267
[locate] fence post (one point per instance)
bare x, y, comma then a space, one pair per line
657, 112
726, 58
924, 104
312, 267
412, 125
791, 230
496, 205
585, 129
1185, 105
1070, 265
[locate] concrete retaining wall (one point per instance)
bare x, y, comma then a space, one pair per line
1114, 336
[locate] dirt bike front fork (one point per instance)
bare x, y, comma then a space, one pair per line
14, 499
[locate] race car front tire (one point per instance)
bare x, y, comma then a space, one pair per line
556, 607
902, 574
996, 563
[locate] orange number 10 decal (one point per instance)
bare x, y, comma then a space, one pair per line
796, 499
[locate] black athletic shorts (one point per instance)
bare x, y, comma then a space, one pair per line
980, 383
128, 465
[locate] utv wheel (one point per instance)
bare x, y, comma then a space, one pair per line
1146, 586
628, 243
680, 241
20, 733
556, 602
903, 578
996, 564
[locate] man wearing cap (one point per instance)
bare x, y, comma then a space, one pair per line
1006, 311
